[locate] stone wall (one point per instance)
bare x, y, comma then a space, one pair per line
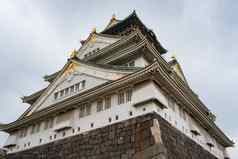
145, 137
2, 154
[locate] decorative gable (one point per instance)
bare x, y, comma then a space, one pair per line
75, 78
94, 43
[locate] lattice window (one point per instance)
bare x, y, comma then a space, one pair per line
128, 95
99, 105
107, 102
121, 99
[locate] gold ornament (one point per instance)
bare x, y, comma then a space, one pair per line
113, 17
73, 53
94, 30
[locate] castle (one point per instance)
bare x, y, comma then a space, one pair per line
117, 97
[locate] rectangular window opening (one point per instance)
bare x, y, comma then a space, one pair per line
107, 102
99, 105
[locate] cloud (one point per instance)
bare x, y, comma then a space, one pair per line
36, 36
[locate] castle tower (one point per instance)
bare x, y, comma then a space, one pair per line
117, 97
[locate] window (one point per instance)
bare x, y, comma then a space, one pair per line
56, 95
20, 134
110, 120
33, 129
66, 91
121, 98
107, 102
62, 93
72, 89
49, 123
25, 132
130, 113
82, 111
88, 109
83, 84
117, 117
184, 115
128, 95
92, 125
46, 124
38, 127
77, 87
131, 63
99, 105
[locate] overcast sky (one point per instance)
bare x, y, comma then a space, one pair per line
36, 36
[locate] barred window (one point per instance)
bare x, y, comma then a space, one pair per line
99, 105
72, 89
49, 123
88, 109
38, 127
128, 95
46, 124
121, 98
56, 95
33, 129
62, 93
77, 87
107, 102
132, 63
24, 132
85, 110
66, 91
81, 111
83, 83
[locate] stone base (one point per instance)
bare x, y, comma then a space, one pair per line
144, 137
2, 154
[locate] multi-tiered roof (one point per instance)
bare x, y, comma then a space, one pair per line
119, 41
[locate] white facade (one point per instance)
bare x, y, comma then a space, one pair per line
116, 113
95, 42
79, 76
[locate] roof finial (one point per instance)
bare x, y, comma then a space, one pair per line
113, 17
173, 56
73, 53
94, 30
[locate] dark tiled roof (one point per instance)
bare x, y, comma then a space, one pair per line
133, 19
51, 77
33, 97
108, 66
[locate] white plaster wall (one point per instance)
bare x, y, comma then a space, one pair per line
141, 62
90, 83
92, 76
100, 42
140, 93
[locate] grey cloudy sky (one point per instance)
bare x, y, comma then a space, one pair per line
35, 37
